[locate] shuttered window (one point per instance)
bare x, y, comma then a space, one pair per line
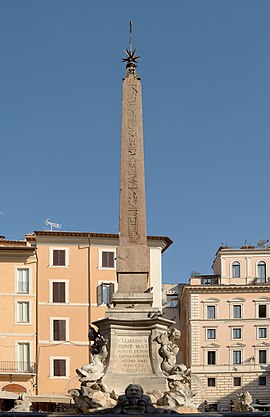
108, 259
59, 292
59, 257
59, 367
59, 330
105, 293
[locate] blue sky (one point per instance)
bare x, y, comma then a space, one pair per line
206, 97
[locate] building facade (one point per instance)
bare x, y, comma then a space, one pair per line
53, 286
225, 323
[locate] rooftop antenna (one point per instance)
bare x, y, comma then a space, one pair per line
52, 224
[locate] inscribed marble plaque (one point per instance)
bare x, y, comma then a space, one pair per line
133, 355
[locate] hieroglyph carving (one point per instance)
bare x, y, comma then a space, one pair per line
132, 163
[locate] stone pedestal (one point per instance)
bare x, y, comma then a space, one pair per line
133, 350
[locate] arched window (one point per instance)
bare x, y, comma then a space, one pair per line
236, 269
262, 271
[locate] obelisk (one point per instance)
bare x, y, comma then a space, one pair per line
130, 330
132, 256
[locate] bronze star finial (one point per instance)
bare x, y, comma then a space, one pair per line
131, 58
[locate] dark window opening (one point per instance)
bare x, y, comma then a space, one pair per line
59, 367
108, 259
59, 292
59, 330
59, 257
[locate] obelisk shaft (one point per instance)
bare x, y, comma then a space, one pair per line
132, 261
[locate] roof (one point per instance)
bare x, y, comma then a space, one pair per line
31, 237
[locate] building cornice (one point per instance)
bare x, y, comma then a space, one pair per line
165, 241
227, 289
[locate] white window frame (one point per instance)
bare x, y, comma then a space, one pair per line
241, 356
216, 359
206, 333
17, 343
211, 302
214, 347
234, 328
66, 281
258, 327
257, 271
235, 302
232, 348
16, 280
51, 249
23, 323
262, 346
262, 301
266, 355
104, 268
67, 359
240, 267
66, 319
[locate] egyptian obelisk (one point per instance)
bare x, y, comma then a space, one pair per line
132, 257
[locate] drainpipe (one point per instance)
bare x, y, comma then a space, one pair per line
89, 290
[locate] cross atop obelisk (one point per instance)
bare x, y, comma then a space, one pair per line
133, 259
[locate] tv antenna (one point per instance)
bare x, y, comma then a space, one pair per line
52, 224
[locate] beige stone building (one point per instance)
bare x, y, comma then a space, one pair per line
53, 285
225, 323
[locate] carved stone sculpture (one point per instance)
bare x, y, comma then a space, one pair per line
134, 401
243, 403
94, 371
23, 404
88, 399
168, 350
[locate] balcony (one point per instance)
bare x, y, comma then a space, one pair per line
14, 367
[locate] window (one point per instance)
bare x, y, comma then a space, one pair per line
58, 292
211, 382
23, 280
237, 381
237, 311
262, 332
59, 367
22, 312
262, 356
211, 312
108, 259
59, 330
237, 357
237, 333
104, 293
59, 257
171, 300
23, 357
236, 270
211, 357
211, 334
262, 380
262, 311
261, 272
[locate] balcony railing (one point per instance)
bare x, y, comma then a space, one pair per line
12, 367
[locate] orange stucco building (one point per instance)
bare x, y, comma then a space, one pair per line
54, 284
